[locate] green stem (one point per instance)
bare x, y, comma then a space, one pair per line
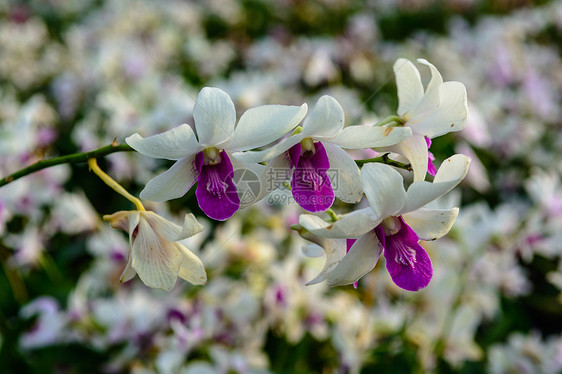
385, 160
333, 216
390, 119
69, 159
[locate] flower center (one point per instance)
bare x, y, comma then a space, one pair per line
212, 156
310, 176
307, 147
391, 226
215, 184
403, 253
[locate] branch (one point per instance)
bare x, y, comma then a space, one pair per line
69, 159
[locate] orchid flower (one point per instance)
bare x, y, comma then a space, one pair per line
321, 168
442, 108
154, 253
208, 159
394, 223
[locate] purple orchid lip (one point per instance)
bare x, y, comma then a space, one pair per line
310, 183
430, 158
407, 262
216, 193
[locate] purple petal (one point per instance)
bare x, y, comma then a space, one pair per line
311, 186
216, 192
349, 243
294, 154
406, 261
430, 158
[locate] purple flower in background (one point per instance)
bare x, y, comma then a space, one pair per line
208, 158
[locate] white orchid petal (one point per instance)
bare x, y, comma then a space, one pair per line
430, 101
271, 152
451, 115
173, 183
431, 224
415, 150
128, 273
335, 251
344, 174
350, 226
384, 189
156, 260
265, 124
360, 137
214, 116
361, 259
119, 220
191, 268
174, 144
312, 250
408, 84
134, 219
325, 120
452, 171
169, 230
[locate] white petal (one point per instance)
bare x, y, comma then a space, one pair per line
451, 115
169, 230
360, 137
312, 250
430, 101
361, 259
335, 251
409, 85
134, 219
270, 152
451, 172
174, 144
344, 174
265, 124
214, 116
119, 220
325, 120
431, 224
384, 189
156, 260
250, 180
173, 183
128, 273
350, 226
191, 269
415, 150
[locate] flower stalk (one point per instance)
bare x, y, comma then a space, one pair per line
93, 164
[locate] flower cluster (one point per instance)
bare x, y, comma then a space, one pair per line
312, 156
